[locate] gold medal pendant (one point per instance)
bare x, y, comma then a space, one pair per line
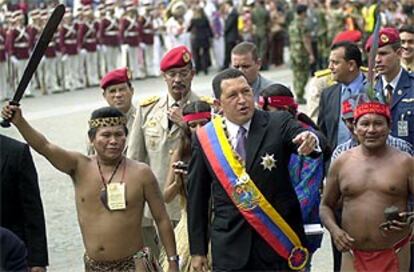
116, 199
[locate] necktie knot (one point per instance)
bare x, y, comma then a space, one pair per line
241, 142
388, 93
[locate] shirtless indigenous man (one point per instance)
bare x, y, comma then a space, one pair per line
110, 192
370, 178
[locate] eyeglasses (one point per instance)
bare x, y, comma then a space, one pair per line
182, 73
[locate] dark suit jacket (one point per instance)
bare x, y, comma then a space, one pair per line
13, 252
231, 32
233, 240
330, 113
21, 205
402, 105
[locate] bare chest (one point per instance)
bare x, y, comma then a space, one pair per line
357, 178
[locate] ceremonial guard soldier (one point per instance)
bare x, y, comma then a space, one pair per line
19, 44
71, 64
35, 28
109, 38
49, 66
5, 90
148, 40
131, 32
100, 14
87, 41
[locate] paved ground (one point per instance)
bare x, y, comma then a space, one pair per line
63, 119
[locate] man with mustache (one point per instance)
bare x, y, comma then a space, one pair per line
156, 129
394, 84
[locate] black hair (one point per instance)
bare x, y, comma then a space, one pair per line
407, 28
229, 73
103, 113
352, 51
300, 9
196, 106
281, 90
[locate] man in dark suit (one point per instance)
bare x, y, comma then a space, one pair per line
345, 61
231, 32
21, 205
262, 157
394, 84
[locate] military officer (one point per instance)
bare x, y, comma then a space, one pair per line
156, 129
71, 65
131, 35
394, 84
109, 38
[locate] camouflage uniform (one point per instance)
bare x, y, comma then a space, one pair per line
336, 23
299, 57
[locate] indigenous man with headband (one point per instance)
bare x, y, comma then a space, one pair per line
110, 193
156, 129
118, 92
371, 237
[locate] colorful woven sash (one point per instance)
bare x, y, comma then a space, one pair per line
254, 207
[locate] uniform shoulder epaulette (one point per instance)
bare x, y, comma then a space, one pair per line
364, 69
149, 100
207, 99
323, 73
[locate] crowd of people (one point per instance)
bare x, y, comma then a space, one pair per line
231, 182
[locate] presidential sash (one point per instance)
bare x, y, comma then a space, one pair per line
254, 207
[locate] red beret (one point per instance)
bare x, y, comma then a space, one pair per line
347, 36
387, 35
372, 107
117, 76
175, 58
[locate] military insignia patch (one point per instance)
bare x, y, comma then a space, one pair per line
186, 57
268, 162
384, 38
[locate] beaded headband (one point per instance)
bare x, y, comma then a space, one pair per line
107, 122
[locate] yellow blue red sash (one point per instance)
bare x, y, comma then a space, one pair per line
254, 207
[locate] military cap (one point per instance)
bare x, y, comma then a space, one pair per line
175, 58
387, 36
117, 76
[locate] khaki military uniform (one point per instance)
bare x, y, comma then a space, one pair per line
152, 142
322, 80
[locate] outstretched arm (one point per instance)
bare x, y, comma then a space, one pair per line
342, 240
155, 201
61, 159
